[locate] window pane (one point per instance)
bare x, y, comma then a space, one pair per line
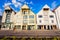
51, 27
18, 26
39, 27
8, 12
25, 21
30, 27
7, 21
25, 12
40, 16
40, 21
52, 21
31, 16
51, 16
48, 27
25, 17
45, 9
44, 26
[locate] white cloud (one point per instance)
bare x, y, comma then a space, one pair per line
54, 4
13, 1
21, 0
6, 4
17, 4
31, 2
28, 2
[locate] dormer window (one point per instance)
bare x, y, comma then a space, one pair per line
45, 9
8, 11
25, 11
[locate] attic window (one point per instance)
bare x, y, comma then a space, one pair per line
8, 11
45, 9
25, 9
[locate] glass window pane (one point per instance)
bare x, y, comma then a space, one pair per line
25, 17
24, 12
52, 21
40, 21
40, 16
31, 16
44, 26
30, 27
51, 16
39, 27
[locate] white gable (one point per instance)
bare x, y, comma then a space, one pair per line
25, 6
46, 6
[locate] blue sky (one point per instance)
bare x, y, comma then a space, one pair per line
34, 5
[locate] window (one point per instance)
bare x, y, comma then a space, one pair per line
7, 20
51, 27
18, 26
51, 16
24, 27
25, 21
39, 27
31, 21
40, 16
40, 21
25, 12
8, 12
52, 21
45, 9
31, 16
44, 26
30, 27
48, 27
7, 25
3, 26
25, 17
